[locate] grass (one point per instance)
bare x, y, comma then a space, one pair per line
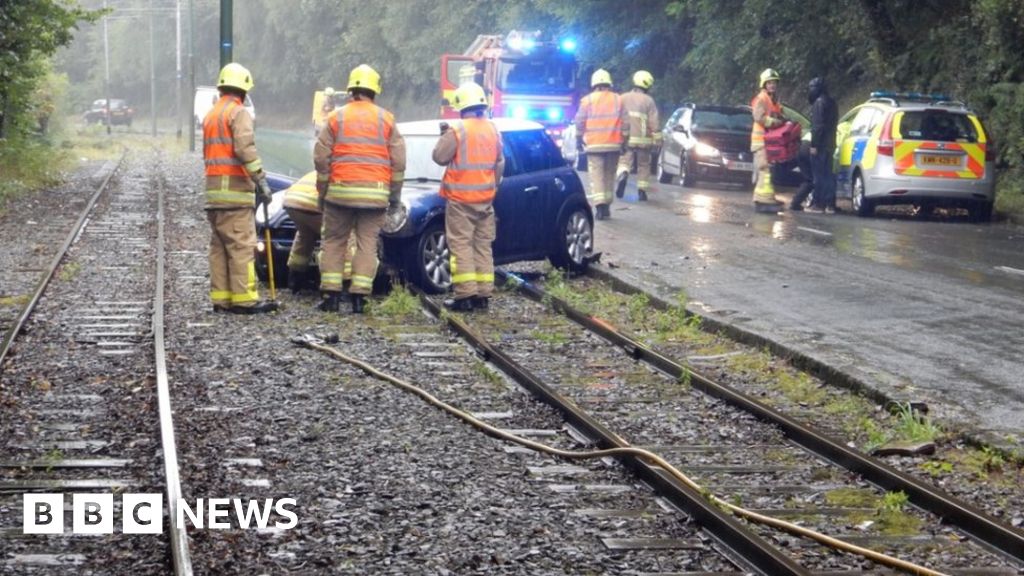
28, 165
914, 427
399, 303
70, 270
13, 301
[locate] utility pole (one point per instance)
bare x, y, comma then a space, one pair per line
106, 62
152, 69
226, 17
191, 83
177, 66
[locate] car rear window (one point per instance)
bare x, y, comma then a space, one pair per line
725, 121
937, 125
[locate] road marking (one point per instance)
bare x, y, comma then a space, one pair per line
814, 231
1009, 270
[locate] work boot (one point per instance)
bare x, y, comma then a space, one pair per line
601, 212
767, 208
620, 184
257, 308
481, 302
459, 304
297, 280
607, 211
642, 195
220, 308
331, 302
358, 303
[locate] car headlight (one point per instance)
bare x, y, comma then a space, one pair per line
705, 150
396, 218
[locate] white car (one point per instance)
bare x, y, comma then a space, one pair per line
206, 97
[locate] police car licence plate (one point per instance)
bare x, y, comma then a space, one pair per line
743, 166
935, 160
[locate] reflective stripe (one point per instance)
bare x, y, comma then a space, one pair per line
462, 278
223, 162
361, 159
218, 140
303, 194
220, 296
231, 197
451, 186
602, 127
250, 294
359, 140
362, 282
330, 281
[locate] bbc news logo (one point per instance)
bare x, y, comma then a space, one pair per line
143, 513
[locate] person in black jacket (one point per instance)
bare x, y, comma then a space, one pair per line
824, 118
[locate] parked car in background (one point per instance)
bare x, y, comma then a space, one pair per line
925, 150
120, 112
541, 208
207, 96
707, 142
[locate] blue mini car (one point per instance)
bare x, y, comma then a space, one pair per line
541, 208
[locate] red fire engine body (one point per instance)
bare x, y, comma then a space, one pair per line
523, 76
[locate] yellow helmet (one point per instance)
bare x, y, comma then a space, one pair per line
599, 77
236, 76
768, 75
364, 77
643, 79
469, 95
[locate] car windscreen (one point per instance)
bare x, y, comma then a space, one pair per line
552, 75
722, 120
419, 161
937, 125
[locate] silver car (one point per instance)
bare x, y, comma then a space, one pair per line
925, 150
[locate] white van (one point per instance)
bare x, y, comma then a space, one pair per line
206, 97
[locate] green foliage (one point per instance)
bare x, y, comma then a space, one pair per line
893, 502
399, 303
936, 468
27, 164
915, 427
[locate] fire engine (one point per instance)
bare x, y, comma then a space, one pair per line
524, 77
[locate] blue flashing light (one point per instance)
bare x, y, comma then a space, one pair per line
529, 44
554, 114
515, 43
520, 112
909, 95
568, 45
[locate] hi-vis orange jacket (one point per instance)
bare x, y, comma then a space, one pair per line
766, 112
362, 155
229, 152
603, 120
473, 172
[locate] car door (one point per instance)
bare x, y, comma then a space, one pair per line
675, 137
852, 138
525, 203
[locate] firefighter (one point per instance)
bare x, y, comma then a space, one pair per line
302, 203
472, 153
644, 136
603, 127
767, 114
234, 180
360, 164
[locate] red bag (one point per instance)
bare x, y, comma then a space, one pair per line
782, 143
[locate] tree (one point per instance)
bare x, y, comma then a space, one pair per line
30, 32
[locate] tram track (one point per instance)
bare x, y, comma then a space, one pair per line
750, 454
88, 409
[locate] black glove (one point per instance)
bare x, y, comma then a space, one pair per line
264, 196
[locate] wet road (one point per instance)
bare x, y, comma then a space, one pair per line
921, 309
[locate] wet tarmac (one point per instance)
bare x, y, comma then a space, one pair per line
919, 308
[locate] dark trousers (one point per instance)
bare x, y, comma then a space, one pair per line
817, 177
824, 179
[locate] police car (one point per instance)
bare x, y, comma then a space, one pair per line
922, 149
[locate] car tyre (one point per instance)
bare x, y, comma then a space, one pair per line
575, 241
664, 176
862, 205
686, 177
428, 262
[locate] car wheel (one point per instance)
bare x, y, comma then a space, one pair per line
861, 203
575, 240
428, 263
663, 176
980, 212
686, 177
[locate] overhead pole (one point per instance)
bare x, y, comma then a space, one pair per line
177, 65
152, 69
226, 45
191, 82
106, 66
